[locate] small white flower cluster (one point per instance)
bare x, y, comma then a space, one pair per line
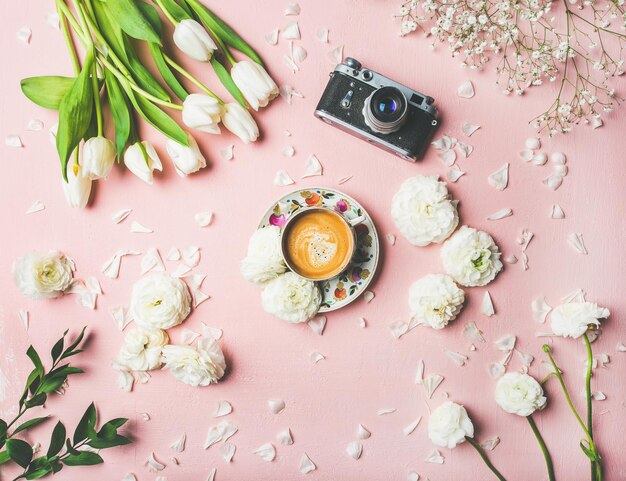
159, 302
424, 213
523, 39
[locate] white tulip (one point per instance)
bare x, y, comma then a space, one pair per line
43, 276
142, 161
203, 112
193, 39
187, 160
254, 82
78, 187
239, 121
98, 158
449, 424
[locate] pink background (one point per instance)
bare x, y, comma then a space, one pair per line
366, 369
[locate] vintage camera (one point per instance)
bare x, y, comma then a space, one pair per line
378, 110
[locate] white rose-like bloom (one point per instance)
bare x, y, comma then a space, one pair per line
239, 121
203, 112
193, 39
423, 212
449, 424
291, 298
471, 257
98, 158
142, 348
435, 300
196, 366
519, 394
573, 319
160, 301
254, 82
264, 261
77, 189
187, 160
141, 159
43, 276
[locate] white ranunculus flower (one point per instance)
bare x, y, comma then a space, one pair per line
160, 301
239, 121
435, 300
193, 39
77, 189
196, 366
573, 319
291, 298
449, 424
187, 160
423, 211
142, 348
254, 82
471, 257
203, 112
98, 158
519, 394
43, 276
141, 159
264, 261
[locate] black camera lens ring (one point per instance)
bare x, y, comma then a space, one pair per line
385, 110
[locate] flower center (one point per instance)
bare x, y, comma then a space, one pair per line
481, 260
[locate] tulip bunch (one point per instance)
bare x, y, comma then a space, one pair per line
110, 33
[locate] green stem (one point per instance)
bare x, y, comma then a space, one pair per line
166, 12
544, 448
482, 454
191, 78
588, 384
96, 98
68, 40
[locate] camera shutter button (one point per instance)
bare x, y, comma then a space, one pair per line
352, 63
367, 74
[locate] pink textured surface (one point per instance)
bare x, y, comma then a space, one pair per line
366, 369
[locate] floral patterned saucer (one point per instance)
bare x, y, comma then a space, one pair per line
350, 284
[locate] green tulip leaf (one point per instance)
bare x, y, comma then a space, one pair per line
132, 20
175, 10
142, 75
120, 112
158, 118
47, 92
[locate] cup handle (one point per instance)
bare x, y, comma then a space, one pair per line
356, 221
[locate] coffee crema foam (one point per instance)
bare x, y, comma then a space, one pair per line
319, 244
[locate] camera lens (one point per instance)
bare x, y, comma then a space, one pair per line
385, 110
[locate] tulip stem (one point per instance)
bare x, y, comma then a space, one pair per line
544, 448
484, 457
166, 12
191, 78
96, 98
68, 40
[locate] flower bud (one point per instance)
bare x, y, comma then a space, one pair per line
98, 157
193, 39
239, 121
141, 159
254, 82
187, 160
78, 187
202, 112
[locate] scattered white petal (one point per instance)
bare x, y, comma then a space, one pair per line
228, 152
540, 309
527, 359
557, 212
368, 296
362, 322
465, 90
120, 316
13, 141
444, 143
291, 31
298, 53
354, 449
187, 336
282, 178
322, 34
454, 174
448, 157
500, 178
53, 20
465, 149
267, 452
290, 63
153, 465
145, 417
501, 214
228, 451
598, 396
179, 444
336, 55
362, 432
223, 408
575, 296
490, 444
289, 151
111, 268
138, 228
419, 376
487, 305
173, 254
212, 475
510, 259
391, 238
151, 261
34, 125
276, 405
23, 316
316, 357
496, 370
526, 155
558, 158
539, 159
24, 34
317, 324
472, 347
553, 181
121, 215
621, 347
129, 477
383, 411
506, 343
411, 427
284, 437
204, 219
472, 332
36, 207
313, 167
596, 123
431, 383
214, 332
306, 465
468, 129
292, 9
458, 358
561, 170
199, 297
181, 270
191, 255
272, 37
398, 329
412, 476
577, 242
435, 457
532, 143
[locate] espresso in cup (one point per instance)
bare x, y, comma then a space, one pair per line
318, 243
